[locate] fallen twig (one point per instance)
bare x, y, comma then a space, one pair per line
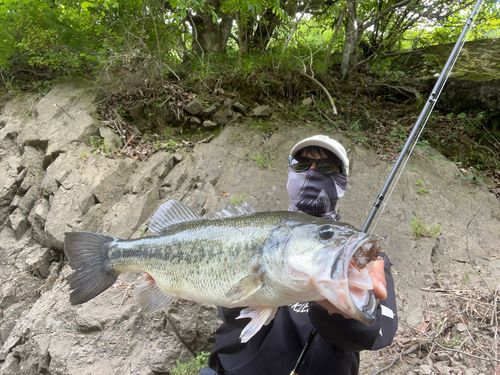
58, 106
206, 140
399, 356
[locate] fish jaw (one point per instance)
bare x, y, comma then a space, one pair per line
346, 287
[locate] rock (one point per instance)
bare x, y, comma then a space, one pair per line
208, 112
112, 141
38, 262
260, 111
442, 369
194, 121
87, 325
208, 125
307, 102
19, 223
137, 112
37, 218
228, 102
239, 108
223, 116
63, 118
11, 365
425, 369
9, 184
461, 327
441, 357
194, 107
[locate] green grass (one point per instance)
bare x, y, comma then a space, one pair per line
193, 367
420, 229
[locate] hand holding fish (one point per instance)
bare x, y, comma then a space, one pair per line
377, 275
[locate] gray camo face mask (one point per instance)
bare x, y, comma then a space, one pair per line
315, 193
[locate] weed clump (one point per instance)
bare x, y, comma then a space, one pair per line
193, 367
423, 230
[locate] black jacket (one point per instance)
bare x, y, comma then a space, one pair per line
274, 350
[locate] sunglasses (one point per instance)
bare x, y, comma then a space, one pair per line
323, 165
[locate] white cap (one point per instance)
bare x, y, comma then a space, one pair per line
325, 142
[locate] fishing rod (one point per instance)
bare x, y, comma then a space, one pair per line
417, 128
303, 355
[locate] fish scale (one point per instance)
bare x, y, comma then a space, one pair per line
198, 260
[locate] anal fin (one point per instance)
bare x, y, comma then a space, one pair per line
260, 316
150, 297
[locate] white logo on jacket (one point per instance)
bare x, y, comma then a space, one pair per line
300, 307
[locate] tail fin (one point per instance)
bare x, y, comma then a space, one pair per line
88, 256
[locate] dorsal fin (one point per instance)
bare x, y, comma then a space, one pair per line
171, 212
232, 211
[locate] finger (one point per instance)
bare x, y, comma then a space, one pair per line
377, 275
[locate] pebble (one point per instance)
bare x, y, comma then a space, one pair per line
441, 368
426, 369
441, 357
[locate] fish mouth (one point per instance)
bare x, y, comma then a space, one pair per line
345, 280
360, 253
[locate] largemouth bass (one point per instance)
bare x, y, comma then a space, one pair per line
237, 258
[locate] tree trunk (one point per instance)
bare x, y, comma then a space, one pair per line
334, 36
267, 24
353, 33
245, 29
210, 37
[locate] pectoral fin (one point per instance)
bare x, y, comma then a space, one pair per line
150, 297
245, 287
260, 316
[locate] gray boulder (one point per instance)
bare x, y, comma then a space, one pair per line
194, 107
260, 111
223, 116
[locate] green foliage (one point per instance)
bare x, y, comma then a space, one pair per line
399, 137
423, 230
355, 126
84, 155
39, 34
100, 145
254, 7
262, 160
193, 367
64, 36
421, 190
264, 126
470, 177
423, 144
239, 199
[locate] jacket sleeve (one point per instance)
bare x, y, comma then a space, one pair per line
352, 335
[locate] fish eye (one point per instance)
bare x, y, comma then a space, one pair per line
326, 232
